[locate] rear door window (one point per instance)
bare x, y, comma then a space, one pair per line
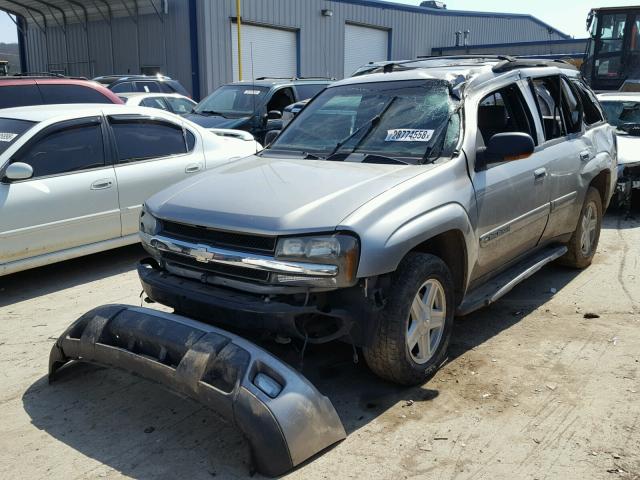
123, 87
140, 138
147, 87
571, 107
11, 130
547, 93
65, 148
19, 96
307, 91
154, 102
54, 94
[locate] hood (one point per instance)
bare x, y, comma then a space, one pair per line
628, 149
277, 196
216, 121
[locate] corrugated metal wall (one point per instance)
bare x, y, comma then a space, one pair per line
322, 38
124, 46
121, 46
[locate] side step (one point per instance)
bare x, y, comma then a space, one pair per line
499, 286
284, 418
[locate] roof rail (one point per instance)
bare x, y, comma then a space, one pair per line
38, 74
293, 79
478, 56
527, 62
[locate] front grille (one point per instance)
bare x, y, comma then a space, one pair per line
218, 238
216, 268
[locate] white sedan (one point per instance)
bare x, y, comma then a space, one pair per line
171, 102
74, 177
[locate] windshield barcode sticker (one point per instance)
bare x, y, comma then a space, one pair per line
408, 135
252, 92
7, 137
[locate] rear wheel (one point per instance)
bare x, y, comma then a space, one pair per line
413, 335
584, 241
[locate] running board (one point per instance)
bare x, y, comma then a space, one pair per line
499, 286
283, 416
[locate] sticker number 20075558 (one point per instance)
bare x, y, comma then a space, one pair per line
408, 135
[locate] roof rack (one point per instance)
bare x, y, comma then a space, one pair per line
514, 63
479, 56
35, 75
293, 79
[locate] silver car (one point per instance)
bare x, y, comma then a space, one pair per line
394, 201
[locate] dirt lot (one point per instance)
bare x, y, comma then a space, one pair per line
533, 390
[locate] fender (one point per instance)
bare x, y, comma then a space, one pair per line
386, 255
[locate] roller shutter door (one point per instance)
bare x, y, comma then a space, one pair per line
274, 52
363, 45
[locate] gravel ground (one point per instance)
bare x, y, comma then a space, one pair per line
534, 389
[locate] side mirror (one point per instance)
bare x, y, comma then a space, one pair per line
506, 147
270, 136
274, 115
18, 171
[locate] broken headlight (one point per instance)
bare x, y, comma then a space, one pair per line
340, 250
148, 223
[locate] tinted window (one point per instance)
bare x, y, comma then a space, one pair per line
504, 111
11, 130
71, 94
307, 91
123, 87
154, 103
180, 105
147, 87
191, 140
282, 98
19, 96
547, 94
592, 112
67, 150
146, 138
572, 108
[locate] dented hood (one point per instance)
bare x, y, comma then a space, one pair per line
277, 195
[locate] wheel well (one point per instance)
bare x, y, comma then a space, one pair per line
451, 249
602, 183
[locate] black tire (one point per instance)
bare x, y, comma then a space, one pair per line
578, 256
388, 355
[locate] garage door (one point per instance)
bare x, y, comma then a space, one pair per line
363, 45
274, 52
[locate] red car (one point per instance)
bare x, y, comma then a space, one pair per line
42, 90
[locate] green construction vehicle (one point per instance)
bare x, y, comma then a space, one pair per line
4, 68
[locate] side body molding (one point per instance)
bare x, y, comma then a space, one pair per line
283, 416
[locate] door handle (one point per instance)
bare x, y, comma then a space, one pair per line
193, 167
585, 156
539, 174
102, 184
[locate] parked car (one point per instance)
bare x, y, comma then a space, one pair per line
142, 83
390, 203
74, 176
23, 90
623, 112
171, 102
254, 106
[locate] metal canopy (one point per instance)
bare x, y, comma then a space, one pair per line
60, 13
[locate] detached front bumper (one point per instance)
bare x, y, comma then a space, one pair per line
284, 418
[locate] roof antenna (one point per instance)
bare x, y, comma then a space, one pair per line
253, 91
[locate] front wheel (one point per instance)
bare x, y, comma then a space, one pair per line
413, 334
584, 241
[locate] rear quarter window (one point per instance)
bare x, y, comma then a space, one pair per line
54, 94
19, 96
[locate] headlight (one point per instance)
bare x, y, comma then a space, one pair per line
341, 250
148, 223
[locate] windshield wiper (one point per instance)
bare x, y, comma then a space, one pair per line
209, 112
368, 126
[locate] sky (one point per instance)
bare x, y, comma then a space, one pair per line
568, 16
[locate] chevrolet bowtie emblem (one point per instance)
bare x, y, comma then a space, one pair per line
201, 254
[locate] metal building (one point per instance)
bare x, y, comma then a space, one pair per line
195, 41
